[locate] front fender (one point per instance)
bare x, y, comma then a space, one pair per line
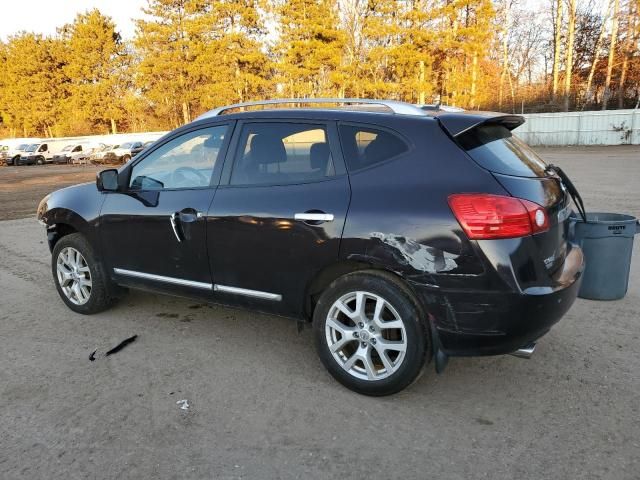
71, 209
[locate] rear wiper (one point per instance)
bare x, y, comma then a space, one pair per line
573, 191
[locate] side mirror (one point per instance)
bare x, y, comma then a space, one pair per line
107, 180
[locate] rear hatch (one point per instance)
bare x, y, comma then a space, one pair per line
523, 174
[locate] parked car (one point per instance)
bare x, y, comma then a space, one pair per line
402, 234
135, 151
97, 156
71, 152
123, 153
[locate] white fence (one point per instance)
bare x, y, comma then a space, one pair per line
608, 127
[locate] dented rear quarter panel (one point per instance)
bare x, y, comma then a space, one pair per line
399, 218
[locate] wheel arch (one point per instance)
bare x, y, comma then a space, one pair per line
332, 272
62, 222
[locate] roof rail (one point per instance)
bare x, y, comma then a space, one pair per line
399, 108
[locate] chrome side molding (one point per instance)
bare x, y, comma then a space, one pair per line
276, 297
162, 278
248, 293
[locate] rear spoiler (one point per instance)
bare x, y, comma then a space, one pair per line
458, 123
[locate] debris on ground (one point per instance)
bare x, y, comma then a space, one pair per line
121, 345
184, 404
92, 357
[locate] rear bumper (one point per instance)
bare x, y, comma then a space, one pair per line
497, 322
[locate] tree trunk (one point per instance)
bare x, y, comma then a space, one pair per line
185, 112
114, 130
569, 54
628, 49
596, 54
612, 50
505, 52
556, 49
474, 79
422, 94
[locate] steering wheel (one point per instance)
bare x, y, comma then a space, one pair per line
179, 175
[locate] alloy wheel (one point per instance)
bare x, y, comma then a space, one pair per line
74, 276
366, 335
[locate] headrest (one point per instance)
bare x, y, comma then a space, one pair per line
382, 147
319, 154
267, 149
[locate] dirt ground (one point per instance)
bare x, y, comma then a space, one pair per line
262, 406
22, 188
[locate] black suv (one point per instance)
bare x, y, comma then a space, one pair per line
402, 234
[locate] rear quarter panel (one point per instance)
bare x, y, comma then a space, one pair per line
399, 218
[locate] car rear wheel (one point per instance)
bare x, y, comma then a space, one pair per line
370, 333
80, 279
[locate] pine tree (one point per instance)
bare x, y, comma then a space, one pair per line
166, 43
34, 84
229, 64
95, 62
309, 49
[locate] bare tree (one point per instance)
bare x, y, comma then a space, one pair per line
556, 47
612, 51
568, 69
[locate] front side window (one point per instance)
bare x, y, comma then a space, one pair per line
364, 146
187, 161
282, 153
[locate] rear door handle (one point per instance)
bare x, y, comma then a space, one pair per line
314, 217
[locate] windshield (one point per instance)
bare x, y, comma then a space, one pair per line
126, 145
495, 148
31, 148
22, 146
67, 148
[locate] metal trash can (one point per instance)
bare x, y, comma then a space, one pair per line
607, 242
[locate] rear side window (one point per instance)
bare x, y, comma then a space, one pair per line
365, 146
495, 148
282, 153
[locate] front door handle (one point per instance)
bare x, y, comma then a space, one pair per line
174, 225
314, 217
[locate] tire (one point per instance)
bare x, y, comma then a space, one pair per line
366, 338
99, 289
16, 161
40, 161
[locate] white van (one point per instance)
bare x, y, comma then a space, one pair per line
15, 148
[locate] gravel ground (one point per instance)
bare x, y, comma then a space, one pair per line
262, 406
22, 188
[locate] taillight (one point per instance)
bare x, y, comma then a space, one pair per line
485, 216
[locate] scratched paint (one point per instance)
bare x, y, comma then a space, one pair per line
421, 257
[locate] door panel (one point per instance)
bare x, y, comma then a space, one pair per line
139, 236
154, 229
280, 220
256, 243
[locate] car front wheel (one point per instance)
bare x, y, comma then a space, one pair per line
80, 279
370, 333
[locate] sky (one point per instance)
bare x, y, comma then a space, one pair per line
44, 16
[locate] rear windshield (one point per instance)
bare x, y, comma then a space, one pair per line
496, 149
